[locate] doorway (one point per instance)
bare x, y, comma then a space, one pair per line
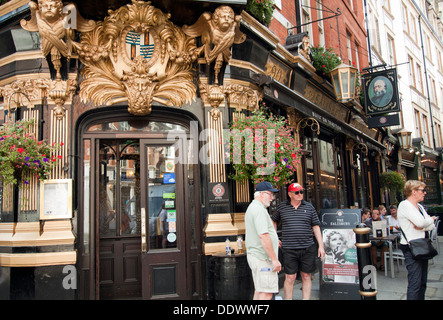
143, 233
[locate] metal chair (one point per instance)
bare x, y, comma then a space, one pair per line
397, 254
434, 236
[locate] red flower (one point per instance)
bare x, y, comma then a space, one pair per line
59, 157
20, 150
277, 144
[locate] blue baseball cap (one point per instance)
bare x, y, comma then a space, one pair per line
265, 186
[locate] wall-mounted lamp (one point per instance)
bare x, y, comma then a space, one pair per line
405, 139
343, 79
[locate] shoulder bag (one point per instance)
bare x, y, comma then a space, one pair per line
422, 248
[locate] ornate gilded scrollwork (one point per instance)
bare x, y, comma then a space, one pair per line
27, 93
237, 95
137, 55
218, 32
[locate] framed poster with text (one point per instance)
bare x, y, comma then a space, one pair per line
339, 273
55, 199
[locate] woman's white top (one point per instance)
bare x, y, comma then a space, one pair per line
408, 216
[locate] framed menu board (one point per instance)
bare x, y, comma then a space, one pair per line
56, 199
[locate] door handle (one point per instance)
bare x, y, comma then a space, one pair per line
143, 228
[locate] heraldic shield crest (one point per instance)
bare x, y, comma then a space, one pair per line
137, 55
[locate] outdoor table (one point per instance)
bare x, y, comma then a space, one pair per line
390, 239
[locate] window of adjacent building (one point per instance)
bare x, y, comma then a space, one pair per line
439, 62
439, 140
404, 15
377, 34
321, 30
412, 27
419, 84
417, 123
411, 71
391, 51
425, 130
433, 93
306, 16
357, 60
349, 48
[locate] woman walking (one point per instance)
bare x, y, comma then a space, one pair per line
415, 223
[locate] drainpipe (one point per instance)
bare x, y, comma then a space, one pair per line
427, 84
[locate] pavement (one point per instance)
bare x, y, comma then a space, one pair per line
390, 288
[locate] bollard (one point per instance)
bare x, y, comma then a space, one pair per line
366, 272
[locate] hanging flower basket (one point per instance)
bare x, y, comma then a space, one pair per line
262, 148
324, 60
392, 181
262, 10
22, 155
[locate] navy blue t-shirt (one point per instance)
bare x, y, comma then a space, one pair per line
296, 224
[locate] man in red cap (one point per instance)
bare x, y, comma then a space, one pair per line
299, 221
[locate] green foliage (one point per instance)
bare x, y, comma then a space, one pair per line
392, 181
324, 60
268, 151
261, 9
22, 155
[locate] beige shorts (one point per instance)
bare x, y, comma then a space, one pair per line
265, 280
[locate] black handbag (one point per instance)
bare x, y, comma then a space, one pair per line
422, 248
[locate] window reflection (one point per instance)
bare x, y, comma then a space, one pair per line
161, 194
136, 125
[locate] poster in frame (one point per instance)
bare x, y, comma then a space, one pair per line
55, 199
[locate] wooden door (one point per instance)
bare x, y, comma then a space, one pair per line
163, 251
119, 219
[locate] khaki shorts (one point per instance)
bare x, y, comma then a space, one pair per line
264, 279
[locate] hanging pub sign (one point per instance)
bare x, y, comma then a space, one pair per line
339, 278
381, 92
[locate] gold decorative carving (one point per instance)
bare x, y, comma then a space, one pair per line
59, 91
20, 93
238, 96
218, 32
137, 55
56, 28
35, 89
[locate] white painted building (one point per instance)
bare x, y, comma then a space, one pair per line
408, 34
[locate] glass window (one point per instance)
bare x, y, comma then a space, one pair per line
327, 173
163, 216
86, 191
135, 125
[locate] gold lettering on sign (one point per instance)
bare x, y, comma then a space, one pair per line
278, 71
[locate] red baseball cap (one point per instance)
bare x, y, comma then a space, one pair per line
295, 187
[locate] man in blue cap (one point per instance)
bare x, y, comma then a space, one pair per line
262, 243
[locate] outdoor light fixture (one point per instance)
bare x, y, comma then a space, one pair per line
344, 78
405, 138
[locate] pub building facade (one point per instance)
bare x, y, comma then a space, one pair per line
130, 92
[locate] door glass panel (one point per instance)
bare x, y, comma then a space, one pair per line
107, 174
328, 182
130, 188
161, 197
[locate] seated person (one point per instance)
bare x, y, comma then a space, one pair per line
376, 244
394, 226
365, 214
